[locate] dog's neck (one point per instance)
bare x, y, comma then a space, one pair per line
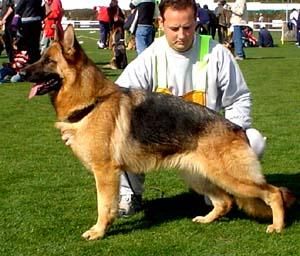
82, 105
78, 114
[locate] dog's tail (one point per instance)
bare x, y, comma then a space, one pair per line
257, 208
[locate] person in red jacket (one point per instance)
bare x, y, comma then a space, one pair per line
52, 22
104, 25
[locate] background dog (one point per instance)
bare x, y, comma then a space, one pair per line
119, 60
112, 129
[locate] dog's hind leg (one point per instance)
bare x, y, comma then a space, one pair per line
221, 201
107, 185
271, 195
238, 172
222, 204
273, 198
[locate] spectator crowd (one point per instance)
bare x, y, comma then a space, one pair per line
25, 22
28, 27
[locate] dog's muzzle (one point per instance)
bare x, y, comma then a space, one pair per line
43, 82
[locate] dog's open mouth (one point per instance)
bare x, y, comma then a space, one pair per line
41, 88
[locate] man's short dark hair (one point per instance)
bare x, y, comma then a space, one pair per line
177, 5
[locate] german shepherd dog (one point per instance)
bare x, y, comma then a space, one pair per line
112, 129
119, 60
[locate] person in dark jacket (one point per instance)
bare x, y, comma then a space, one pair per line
265, 38
144, 33
31, 13
116, 15
203, 20
6, 19
298, 30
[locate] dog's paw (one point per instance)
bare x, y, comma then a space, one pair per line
201, 219
67, 132
67, 138
93, 234
274, 228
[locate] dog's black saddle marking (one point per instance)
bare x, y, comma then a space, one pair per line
169, 123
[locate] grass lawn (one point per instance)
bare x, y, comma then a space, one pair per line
48, 199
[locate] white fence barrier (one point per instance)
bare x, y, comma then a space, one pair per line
275, 25
81, 24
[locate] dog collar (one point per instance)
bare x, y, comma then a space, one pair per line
79, 114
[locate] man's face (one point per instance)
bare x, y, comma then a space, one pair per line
179, 28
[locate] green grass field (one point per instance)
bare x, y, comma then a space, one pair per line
48, 199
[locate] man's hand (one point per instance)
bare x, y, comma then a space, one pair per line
20, 60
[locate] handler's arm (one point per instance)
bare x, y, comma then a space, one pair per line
138, 73
235, 96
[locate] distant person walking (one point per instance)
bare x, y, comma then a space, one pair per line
104, 22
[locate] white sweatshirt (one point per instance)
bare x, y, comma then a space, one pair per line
226, 87
239, 14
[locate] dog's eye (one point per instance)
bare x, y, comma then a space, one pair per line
49, 61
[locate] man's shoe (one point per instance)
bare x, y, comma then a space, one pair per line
129, 205
207, 201
100, 45
16, 78
239, 58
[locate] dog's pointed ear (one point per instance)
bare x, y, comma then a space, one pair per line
58, 34
69, 40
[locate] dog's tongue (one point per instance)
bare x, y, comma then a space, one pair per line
34, 90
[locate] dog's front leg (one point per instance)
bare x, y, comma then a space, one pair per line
107, 185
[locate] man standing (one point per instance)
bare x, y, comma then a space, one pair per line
223, 22
239, 17
104, 23
7, 11
32, 14
52, 22
144, 34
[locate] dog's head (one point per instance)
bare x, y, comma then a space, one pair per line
52, 71
119, 50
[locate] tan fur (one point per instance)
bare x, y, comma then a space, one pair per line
131, 43
222, 165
